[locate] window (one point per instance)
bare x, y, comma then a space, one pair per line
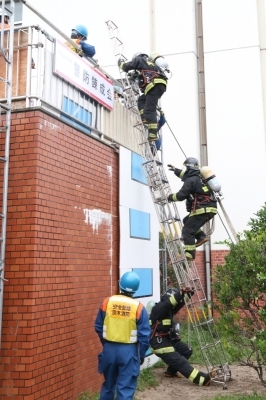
137, 172
145, 286
76, 111
18, 11
139, 224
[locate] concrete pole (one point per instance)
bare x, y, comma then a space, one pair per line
152, 26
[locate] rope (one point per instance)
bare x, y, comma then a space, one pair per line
175, 138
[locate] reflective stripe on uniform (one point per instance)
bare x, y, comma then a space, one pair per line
173, 300
201, 380
193, 375
152, 126
166, 322
190, 247
153, 83
181, 174
204, 210
163, 350
175, 197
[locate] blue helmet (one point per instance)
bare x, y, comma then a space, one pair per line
82, 30
129, 282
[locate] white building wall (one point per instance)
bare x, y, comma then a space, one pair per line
234, 99
234, 33
234, 106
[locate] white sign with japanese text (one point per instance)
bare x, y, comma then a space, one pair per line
78, 71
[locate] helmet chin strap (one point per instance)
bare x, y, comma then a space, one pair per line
128, 294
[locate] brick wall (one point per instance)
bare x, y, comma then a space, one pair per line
59, 267
20, 54
217, 257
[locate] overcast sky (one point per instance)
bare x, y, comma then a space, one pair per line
132, 19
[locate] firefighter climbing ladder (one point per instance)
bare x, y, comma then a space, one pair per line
6, 42
171, 225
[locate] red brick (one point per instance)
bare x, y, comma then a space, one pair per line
54, 260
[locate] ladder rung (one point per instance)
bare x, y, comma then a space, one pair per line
208, 346
137, 124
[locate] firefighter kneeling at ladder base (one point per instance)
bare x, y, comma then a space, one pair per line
122, 325
165, 341
152, 82
200, 203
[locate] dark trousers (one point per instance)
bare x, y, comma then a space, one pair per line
177, 361
193, 224
151, 102
141, 105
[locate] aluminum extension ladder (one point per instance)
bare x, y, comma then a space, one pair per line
186, 272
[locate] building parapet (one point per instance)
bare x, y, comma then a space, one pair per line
47, 74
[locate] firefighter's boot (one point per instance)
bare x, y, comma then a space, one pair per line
200, 378
169, 373
200, 238
190, 255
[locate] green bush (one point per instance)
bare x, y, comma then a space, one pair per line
239, 287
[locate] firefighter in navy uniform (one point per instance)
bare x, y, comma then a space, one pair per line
164, 341
152, 82
122, 325
200, 203
160, 121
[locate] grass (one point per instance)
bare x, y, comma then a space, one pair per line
88, 396
146, 379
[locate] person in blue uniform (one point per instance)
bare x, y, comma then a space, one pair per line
122, 325
79, 34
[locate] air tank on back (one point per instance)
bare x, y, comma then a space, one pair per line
210, 178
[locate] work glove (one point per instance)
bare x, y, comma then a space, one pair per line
188, 292
141, 361
170, 198
171, 167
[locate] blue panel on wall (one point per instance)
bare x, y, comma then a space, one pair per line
148, 352
139, 222
137, 173
76, 111
146, 282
